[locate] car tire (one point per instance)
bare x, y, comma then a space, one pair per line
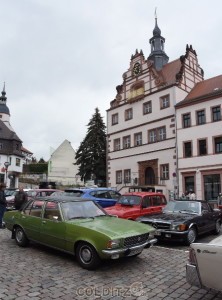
87, 256
20, 237
217, 229
191, 236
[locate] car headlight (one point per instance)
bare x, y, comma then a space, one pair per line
179, 227
112, 244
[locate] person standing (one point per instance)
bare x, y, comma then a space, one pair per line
3, 203
20, 198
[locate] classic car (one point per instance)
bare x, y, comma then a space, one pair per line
204, 268
10, 198
184, 220
104, 196
133, 205
80, 227
34, 193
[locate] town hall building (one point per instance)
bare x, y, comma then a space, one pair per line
162, 111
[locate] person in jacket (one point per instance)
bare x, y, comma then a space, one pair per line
21, 198
3, 204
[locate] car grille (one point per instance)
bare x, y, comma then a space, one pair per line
136, 240
160, 225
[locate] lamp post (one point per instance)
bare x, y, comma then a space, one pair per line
6, 170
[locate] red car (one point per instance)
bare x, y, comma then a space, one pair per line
133, 205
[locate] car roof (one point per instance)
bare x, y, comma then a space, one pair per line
89, 189
143, 194
44, 190
62, 199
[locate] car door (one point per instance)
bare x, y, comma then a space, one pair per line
103, 198
209, 216
146, 208
53, 228
158, 202
31, 219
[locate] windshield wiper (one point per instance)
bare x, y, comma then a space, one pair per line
80, 218
101, 216
187, 211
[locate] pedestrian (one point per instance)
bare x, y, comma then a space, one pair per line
183, 196
3, 204
21, 198
192, 195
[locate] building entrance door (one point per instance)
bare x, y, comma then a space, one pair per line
149, 176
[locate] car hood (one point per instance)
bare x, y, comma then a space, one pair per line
113, 227
167, 217
120, 209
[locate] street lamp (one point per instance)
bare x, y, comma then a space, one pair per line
6, 170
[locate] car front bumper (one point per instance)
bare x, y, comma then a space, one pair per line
171, 235
192, 275
130, 251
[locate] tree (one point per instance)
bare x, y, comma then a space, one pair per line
91, 154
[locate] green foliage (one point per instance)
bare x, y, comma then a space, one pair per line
91, 154
37, 168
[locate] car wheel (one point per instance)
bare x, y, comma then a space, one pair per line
217, 229
87, 256
20, 237
191, 236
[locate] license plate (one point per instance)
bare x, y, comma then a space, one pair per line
158, 233
136, 251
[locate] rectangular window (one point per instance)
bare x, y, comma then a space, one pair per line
187, 149
157, 134
152, 138
128, 114
216, 113
115, 119
127, 176
202, 147
118, 177
147, 108
162, 133
164, 101
17, 162
116, 145
218, 144
186, 120
164, 171
126, 142
138, 139
201, 119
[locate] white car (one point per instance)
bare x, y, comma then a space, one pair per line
205, 264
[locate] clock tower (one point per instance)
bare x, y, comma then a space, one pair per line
157, 55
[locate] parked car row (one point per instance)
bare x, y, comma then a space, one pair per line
83, 222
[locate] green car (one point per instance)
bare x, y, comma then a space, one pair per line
80, 227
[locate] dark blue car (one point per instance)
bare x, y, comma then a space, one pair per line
105, 197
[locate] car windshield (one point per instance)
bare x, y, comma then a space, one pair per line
31, 193
75, 193
81, 209
129, 200
182, 207
10, 192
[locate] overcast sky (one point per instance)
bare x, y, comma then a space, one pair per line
60, 59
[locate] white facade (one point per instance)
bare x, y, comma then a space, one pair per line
202, 171
61, 168
141, 120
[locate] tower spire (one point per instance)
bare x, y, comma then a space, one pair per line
157, 55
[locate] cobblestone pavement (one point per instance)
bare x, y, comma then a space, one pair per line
38, 272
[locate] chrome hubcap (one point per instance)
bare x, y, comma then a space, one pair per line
86, 255
19, 235
191, 236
